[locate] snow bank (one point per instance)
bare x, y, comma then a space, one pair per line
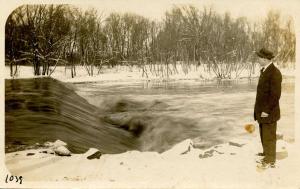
124, 73
230, 165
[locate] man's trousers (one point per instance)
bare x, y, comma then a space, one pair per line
268, 140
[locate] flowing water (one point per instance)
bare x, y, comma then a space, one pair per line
147, 116
40, 110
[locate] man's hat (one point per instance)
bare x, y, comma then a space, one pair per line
265, 53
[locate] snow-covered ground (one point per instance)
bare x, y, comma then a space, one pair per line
230, 165
124, 73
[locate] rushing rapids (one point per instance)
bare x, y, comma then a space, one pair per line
43, 109
117, 117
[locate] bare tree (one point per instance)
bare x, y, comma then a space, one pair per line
50, 35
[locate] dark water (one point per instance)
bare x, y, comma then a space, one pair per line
147, 116
40, 110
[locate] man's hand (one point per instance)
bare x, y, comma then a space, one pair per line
264, 114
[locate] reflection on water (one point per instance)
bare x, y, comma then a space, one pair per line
148, 116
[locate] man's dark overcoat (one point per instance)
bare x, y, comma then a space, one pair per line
268, 95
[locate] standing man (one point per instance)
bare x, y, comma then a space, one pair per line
266, 110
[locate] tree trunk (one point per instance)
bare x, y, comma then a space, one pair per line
11, 69
16, 69
72, 71
48, 68
36, 63
74, 67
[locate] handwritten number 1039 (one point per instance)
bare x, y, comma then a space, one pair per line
14, 178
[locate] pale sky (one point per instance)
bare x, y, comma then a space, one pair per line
155, 9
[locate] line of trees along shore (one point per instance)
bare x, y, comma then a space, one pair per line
46, 36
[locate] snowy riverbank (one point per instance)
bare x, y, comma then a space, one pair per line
229, 165
129, 74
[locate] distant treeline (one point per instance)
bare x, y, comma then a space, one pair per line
45, 36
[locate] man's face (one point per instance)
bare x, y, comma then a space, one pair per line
263, 62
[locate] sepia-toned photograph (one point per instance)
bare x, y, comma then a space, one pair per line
150, 94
